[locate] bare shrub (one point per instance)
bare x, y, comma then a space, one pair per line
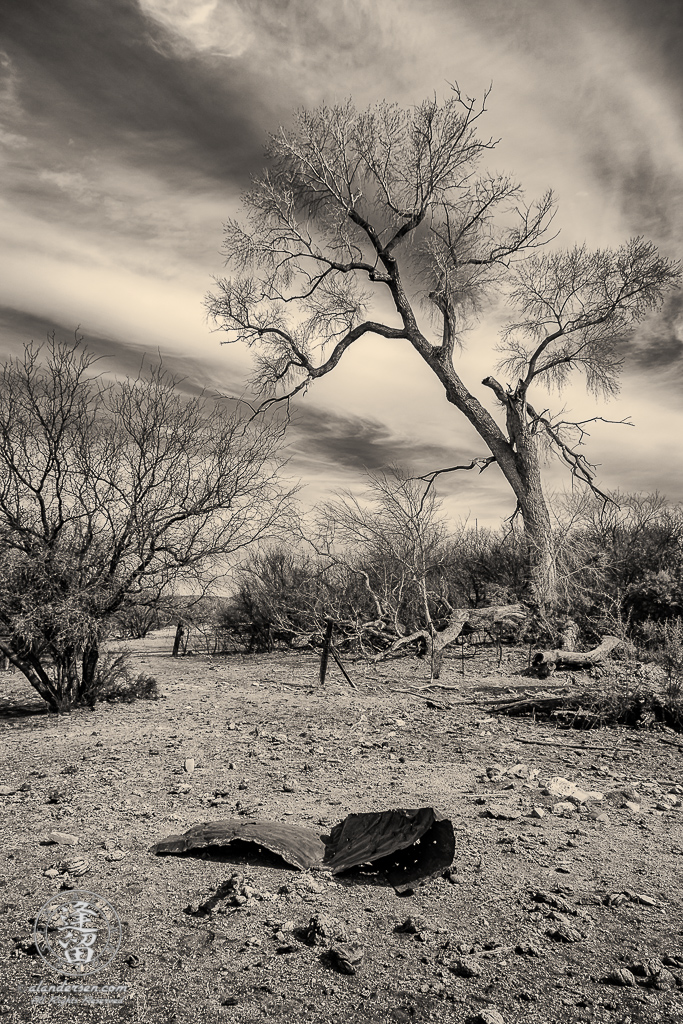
110, 492
115, 681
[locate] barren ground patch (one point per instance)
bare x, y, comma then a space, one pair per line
534, 914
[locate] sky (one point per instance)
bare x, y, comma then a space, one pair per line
130, 128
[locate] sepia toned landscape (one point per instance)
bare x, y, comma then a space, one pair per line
341, 511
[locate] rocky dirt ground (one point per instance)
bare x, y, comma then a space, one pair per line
557, 908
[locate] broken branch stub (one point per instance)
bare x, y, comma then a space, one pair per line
408, 846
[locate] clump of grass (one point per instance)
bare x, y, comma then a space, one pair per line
116, 682
142, 687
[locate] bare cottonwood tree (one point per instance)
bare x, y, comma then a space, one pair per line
110, 492
385, 207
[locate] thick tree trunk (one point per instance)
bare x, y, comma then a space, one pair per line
29, 665
520, 463
518, 458
539, 535
89, 674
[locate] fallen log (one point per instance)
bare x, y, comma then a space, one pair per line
544, 663
474, 619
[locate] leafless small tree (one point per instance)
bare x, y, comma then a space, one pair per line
392, 542
361, 210
110, 492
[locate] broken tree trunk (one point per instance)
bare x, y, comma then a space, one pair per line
440, 641
544, 663
474, 618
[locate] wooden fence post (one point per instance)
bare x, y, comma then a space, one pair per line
178, 638
327, 643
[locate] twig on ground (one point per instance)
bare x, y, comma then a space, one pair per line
563, 746
670, 743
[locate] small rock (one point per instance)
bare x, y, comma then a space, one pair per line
51, 873
490, 1017
412, 925
116, 855
620, 977
662, 980
527, 949
504, 811
466, 968
559, 918
8, 790
322, 929
64, 838
647, 968
75, 866
465, 948
563, 808
583, 796
188, 765
537, 812
615, 899
645, 901
558, 786
288, 787
565, 933
528, 995
346, 958
308, 884
631, 805
553, 900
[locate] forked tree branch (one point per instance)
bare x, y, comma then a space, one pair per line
579, 465
483, 462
